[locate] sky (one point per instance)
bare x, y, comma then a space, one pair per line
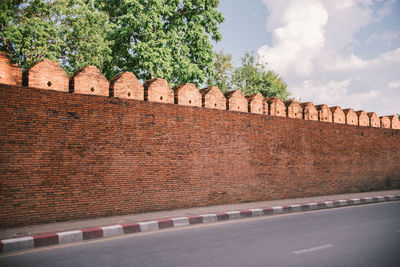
341, 53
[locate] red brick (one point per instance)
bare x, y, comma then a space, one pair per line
363, 119
9, 73
374, 120
275, 107
47, 74
158, 90
89, 81
309, 111
338, 115
350, 116
385, 122
235, 101
394, 122
72, 156
126, 86
212, 97
256, 103
187, 94
293, 109
324, 113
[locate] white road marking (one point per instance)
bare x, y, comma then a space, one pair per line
312, 249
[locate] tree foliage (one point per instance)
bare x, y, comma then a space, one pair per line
71, 32
8, 12
222, 71
251, 77
166, 39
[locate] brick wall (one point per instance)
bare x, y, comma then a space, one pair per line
158, 90
338, 115
275, 107
256, 103
127, 86
363, 119
374, 120
187, 94
235, 101
68, 156
212, 97
350, 116
309, 111
47, 74
294, 109
324, 113
90, 81
9, 73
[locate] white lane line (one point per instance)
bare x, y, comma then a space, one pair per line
312, 249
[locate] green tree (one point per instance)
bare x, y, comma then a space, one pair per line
222, 71
8, 12
86, 32
166, 39
71, 32
252, 77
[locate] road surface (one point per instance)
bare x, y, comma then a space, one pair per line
367, 235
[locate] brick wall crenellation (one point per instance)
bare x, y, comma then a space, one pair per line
89, 80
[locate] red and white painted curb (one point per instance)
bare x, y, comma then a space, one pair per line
29, 242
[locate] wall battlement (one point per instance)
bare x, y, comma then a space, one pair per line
68, 155
89, 80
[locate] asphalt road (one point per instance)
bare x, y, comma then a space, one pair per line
367, 235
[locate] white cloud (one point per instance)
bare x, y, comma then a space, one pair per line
299, 40
391, 56
315, 46
350, 63
333, 92
394, 84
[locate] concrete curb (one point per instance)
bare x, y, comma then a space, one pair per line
29, 242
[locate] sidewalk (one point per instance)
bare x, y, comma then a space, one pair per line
52, 233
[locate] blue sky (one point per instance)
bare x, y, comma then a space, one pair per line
344, 53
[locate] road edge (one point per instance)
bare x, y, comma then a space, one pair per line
36, 241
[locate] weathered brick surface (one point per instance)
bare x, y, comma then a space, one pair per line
235, 101
158, 90
350, 116
374, 120
47, 74
212, 97
293, 109
363, 119
127, 86
188, 95
9, 73
89, 81
69, 156
324, 113
394, 122
256, 103
338, 115
275, 107
309, 111
385, 122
